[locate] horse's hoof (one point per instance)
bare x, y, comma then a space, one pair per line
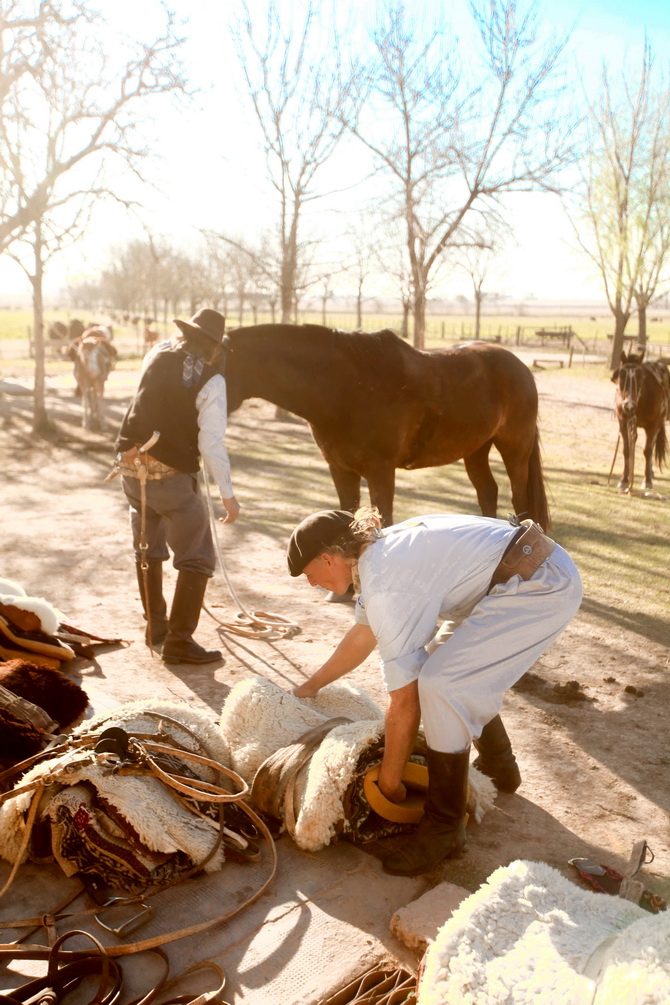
623, 487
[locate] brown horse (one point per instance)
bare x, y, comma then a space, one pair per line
642, 399
376, 404
94, 356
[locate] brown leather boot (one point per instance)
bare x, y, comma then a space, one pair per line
155, 608
441, 830
179, 646
496, 757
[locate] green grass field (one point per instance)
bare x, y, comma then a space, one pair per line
510, 329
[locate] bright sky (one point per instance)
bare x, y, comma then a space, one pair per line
211, 172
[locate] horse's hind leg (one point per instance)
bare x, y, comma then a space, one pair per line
648, 480
479, 472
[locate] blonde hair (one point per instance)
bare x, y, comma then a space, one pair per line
363, 531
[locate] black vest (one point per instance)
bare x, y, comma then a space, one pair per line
165, 402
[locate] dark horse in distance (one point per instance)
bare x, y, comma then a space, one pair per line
642, 399
375, 404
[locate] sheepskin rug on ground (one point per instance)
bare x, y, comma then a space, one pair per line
529, 935
259, 718
156, 825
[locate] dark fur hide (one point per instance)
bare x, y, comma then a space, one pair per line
18, 739
60, 698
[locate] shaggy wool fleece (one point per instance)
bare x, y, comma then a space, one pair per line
144, 717
13, 594
160, 822
259, 718
529, 935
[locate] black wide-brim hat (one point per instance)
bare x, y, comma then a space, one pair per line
204, 322
314, 535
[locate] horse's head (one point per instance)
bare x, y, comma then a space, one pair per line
629, 377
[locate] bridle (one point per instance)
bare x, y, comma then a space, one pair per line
631, 379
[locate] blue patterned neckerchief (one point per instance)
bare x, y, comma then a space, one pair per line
192, 369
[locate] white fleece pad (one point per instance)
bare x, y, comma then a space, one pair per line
259, 718
13, 594
161, 822
530, 936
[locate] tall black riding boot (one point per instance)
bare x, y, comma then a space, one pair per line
496, 757
441, 831
180, 646
155, 608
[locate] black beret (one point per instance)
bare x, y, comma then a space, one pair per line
314, 535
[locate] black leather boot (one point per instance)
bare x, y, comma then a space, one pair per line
155, 608
180, 646
496, 757
441, 831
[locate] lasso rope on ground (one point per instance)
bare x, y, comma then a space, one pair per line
250, 624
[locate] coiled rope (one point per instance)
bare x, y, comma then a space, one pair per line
250, 624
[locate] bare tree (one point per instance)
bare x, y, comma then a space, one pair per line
63, 124
391, 257
622, 217
461, 139
477, 259
362, 239
301, 106
26, 38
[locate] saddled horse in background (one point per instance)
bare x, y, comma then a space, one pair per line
375, 404
642, 399
94, 356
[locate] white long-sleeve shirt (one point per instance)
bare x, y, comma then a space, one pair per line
419, 571
212, 406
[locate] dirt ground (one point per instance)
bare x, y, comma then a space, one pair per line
588, 723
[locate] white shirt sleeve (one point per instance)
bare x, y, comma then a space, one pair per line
402, 624
212, 406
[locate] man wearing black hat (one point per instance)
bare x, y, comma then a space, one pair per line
182, 398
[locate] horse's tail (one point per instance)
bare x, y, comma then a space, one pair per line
661, 447
538, 507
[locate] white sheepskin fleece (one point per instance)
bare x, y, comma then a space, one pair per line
133, 718
167, 827
259, 718
529, 935
13, 594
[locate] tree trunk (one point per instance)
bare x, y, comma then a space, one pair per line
405, 318
419, 318
359, 305
478, 312
620, 322
40, 418
641, 324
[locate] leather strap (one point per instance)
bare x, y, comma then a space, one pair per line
524, 555
273, 787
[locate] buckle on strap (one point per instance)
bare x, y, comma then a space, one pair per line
145, 913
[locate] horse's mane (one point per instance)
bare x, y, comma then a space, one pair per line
368, 345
